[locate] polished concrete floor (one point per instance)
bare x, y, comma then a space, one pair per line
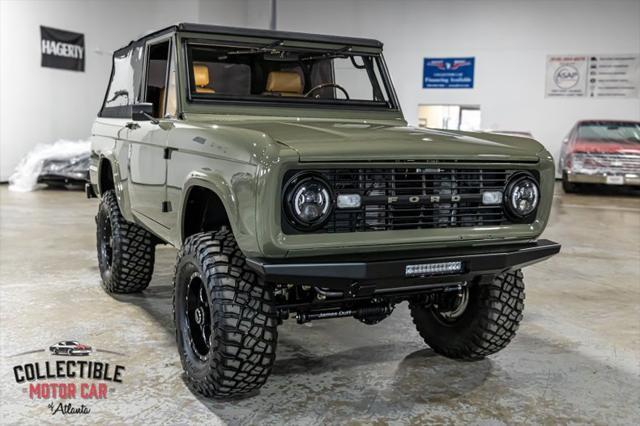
576, 358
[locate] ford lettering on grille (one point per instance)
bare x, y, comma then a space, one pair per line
401, 198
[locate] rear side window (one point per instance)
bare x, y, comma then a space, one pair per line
156, 90
125, 85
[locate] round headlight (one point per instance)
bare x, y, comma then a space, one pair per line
523, 195
308, 200
577, 163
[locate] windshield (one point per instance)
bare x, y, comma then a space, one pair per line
268, 74
610, 131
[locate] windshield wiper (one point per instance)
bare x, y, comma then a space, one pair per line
343, 49
336, 53
252, 51
119, 93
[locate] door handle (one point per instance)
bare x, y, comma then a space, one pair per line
132, 125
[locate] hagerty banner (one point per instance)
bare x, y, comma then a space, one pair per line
62, 49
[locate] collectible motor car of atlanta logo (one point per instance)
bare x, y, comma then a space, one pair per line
70, 347
65, 379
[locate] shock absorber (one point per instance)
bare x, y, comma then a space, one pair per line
358, 312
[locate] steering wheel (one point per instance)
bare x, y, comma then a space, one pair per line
323, 85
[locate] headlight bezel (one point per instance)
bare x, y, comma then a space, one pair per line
292, 188
515, 180
576, 161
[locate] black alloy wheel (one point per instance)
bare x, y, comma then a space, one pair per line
198, 316
126, 251
226, 322
106, 242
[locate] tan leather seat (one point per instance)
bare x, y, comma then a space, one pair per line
284, 83
201, 77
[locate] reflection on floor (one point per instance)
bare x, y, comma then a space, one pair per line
575, 359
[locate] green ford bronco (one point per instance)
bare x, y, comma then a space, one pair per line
282, 168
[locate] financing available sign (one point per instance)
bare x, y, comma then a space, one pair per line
593, 76
62, 49
448, 73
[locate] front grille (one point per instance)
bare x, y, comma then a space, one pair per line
413, 198
609, 163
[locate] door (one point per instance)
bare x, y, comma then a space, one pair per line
148, 140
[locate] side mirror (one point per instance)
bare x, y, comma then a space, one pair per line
142, 112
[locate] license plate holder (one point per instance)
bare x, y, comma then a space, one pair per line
615, 180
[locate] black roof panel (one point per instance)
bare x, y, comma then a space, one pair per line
279, 35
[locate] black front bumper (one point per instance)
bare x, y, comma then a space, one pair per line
386, 272
64, 178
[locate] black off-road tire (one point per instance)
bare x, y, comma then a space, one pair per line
568, 187
126, 251
235, 355
486, 326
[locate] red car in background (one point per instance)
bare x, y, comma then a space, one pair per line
601, 152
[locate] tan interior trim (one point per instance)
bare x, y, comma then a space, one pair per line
284, 82
202, 79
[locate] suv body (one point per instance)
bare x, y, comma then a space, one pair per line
601, 152
286, 156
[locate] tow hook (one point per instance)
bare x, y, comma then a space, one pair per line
354, 289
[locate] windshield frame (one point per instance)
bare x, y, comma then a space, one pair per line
389, 105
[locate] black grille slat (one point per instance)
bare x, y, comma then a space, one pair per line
421, 187
377, 184
382, 210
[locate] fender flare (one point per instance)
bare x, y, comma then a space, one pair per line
108, 158
121, 187
216, 184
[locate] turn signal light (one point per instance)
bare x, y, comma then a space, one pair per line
348, 201
491, 197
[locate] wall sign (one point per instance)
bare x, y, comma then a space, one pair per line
62, 49
593, 76
448, 73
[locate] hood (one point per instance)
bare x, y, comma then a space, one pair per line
606, 146
332, 140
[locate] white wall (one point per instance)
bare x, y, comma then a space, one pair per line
40, 105
509, 39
